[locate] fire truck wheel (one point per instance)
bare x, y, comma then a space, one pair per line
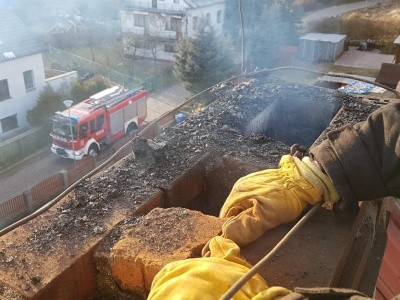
131, 129
93, 150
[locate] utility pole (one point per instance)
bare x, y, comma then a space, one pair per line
242, 25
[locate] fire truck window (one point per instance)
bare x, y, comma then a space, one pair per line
100, 122
83, 129
93, 126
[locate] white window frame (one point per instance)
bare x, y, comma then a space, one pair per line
5, 91
172, 24
195, 22
139, 20
169, 48
219, 16
8, 130
29, 81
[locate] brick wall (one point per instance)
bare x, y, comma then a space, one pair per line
47, 189
82, 168
12, 210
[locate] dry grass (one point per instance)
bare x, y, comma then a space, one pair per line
380, 24
310, 5
352, 71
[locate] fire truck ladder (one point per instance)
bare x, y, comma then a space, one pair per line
115, 98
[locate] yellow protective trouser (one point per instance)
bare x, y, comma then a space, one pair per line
208, 278
263, 200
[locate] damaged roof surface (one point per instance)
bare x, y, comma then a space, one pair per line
16, 40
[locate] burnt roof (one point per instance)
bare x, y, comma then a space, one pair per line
389, 75
16, 40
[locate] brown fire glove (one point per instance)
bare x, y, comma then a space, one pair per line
363, 160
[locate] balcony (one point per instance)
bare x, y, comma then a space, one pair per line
160, 7
162, 35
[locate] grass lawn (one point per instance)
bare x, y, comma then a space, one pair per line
352, 71
113, 58
311, 5
378, 23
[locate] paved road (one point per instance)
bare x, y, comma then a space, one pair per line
166, 100
27, 174
337, 10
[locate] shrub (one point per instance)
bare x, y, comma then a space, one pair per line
82, 90
378, 24
49, 102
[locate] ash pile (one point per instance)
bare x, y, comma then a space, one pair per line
256, 120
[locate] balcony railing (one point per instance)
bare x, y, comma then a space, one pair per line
147, 6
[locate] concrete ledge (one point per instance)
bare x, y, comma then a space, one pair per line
150, 242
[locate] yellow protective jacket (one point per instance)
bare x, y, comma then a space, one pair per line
258, 202
208, 278
263, 200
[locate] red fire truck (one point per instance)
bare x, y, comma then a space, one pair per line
101, 119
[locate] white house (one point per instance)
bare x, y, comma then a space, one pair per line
151, 28
21, 71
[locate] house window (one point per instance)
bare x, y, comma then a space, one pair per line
169, 48
139, 20
139, 44
173, 24
219, 14
28, 79
195, 21
9, 123
4, 92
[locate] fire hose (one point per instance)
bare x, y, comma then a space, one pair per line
236, 287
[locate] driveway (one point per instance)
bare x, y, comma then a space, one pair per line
158, 104
363, 59
30, 172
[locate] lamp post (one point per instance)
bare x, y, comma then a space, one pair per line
68, 104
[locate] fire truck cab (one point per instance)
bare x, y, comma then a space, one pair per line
101, 119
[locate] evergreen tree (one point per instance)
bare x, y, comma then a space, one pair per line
274, 29
202, 61
49, 102
251, 11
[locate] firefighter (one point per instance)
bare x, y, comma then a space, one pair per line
355, 163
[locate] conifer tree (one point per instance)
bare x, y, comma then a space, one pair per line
275, 28
203, 60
